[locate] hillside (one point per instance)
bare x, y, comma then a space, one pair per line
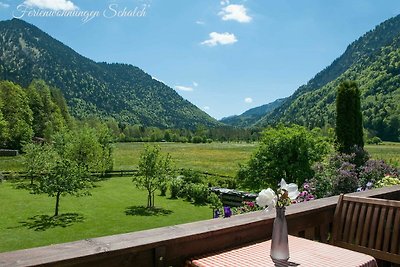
121, 91
251, 116
374, 62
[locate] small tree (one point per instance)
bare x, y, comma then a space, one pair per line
284, 152
349, 128
153, 170
66, 178
38, 159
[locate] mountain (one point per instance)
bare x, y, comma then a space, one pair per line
373, 61
251, 116
121, 91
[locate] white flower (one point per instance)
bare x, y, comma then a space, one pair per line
266, 197
293, 190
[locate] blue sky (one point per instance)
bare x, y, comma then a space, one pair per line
223, 56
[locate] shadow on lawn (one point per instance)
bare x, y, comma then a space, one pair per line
144, 211
44, 222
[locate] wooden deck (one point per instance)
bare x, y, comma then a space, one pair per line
173, 245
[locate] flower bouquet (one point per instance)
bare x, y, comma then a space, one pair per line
284, 196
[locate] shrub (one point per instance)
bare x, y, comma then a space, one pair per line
387, 181
175, 186
335, 175
374, 170
199, 193
374, 141
214, 201
191, 176
346, 180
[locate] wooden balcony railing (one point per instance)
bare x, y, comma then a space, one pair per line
172, 245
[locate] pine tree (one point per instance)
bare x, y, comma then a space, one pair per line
349, 128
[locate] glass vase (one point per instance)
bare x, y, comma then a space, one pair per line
279, 242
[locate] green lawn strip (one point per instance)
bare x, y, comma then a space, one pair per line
388, 151
217, 158
113, 208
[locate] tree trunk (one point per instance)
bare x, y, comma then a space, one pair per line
149, 200
57, 203
152, 204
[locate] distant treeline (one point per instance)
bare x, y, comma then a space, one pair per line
39, 111
138, 133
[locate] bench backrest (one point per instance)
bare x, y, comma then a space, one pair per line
368, 225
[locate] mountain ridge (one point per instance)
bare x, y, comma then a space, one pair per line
121, 91
373, 61
251, 116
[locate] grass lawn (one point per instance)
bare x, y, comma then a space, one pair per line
216, 158
388, 151
113, 208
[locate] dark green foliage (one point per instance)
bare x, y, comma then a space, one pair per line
373, 61
284, 152
349, 129
4, 132
47, 115
16, 114
120, 91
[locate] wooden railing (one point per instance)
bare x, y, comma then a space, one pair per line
171, 246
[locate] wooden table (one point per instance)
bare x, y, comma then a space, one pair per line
303, 252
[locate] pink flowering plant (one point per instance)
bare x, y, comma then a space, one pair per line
286, 193
306, 194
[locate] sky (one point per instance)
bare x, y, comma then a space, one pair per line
224, 56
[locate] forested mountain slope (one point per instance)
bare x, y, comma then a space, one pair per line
121, 91
373, 61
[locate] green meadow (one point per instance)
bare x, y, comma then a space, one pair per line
115, 205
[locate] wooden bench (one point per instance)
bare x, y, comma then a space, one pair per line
368, 225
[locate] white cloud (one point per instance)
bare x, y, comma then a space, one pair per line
206, 108
52, 4
200, 22
224, 2
248, 100
235, 12
195, 84
4, 5
220, 38
184, 88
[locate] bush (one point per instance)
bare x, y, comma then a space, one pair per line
331, 175
340, 174
374, 141
387, 181
175, 186
374, 170
199, 193
214, 201
346, 180
197, 139
191, 176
